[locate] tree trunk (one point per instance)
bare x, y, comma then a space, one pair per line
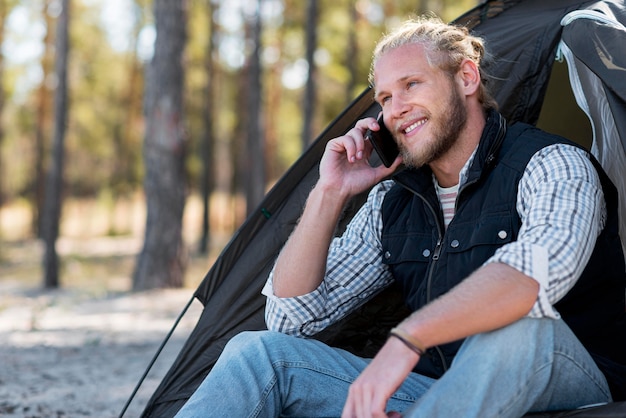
272, 121
162, 260
42, 126
54, 184
3, 14
237, 147
207, 182
352, 54
309, 95
254, 152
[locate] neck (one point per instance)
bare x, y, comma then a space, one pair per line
447, 168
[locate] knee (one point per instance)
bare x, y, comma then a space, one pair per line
526, 338
521, 333
253, 343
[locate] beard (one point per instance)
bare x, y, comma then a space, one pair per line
446, 132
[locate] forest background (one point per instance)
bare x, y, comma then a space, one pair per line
136, 135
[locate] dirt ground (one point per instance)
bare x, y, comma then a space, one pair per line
81, 350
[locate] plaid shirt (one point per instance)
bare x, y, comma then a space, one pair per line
561, 206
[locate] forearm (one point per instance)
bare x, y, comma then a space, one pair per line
301, 264
353, 273
494, 296
344, 172
561, 205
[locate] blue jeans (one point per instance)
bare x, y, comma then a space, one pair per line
531, 365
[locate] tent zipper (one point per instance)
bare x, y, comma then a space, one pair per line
591, 15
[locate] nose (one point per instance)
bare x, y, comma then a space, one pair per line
399, 106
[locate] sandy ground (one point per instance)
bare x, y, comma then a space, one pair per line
66, 356
81, 350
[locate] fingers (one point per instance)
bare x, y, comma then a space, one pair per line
364, 401
345, 164
365, 124
369, 393
354, 141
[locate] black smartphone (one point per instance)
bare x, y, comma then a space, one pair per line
383, 143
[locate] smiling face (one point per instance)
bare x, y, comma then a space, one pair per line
422, 106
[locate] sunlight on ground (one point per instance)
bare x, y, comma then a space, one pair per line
99, 243
81, 349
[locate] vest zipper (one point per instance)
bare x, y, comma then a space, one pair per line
438, 245
490, 159
435, 258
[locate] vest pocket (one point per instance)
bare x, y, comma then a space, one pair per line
401, 248
494, 229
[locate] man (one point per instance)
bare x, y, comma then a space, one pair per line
524, 225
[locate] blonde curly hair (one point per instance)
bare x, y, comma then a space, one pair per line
446, 47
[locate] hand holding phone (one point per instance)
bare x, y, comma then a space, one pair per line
383, 142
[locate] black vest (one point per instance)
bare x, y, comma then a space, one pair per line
427, 260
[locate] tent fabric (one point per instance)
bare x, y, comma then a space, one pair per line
613, 410
523, 37
231, 290
593, 46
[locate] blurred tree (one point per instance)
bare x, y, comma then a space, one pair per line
252, 156
107, 125
274, 43
43, 121
128, 115
54, 183
237, 146
4, 8
104, 135
207, 182
284, 49
162, 260
122, 122
308, 107
345, 28
352, 52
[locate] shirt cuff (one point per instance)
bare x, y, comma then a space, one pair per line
298, 309
533, 261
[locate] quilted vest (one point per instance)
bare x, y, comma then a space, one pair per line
427, 260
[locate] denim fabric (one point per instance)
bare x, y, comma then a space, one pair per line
531, 365
534, 364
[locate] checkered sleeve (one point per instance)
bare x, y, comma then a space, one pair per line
354, 274
562, 209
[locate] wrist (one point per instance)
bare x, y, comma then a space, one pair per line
328, 197
408, 340
403, 355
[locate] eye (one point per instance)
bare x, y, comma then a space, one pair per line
411, 84
382, 100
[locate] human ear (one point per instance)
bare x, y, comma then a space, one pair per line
468, 77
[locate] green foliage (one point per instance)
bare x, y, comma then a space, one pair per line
105, 126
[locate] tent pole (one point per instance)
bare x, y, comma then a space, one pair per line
156, 355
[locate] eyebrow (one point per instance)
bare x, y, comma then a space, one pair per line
400, 80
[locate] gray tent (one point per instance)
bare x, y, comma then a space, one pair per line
524, 38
